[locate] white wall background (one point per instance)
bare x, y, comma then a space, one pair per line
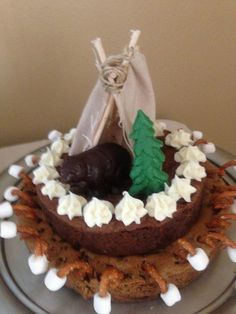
47, 66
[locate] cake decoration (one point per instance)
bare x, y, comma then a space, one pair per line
208, 148
97, 212
197, 135
97, 170
111, 237
50, 159
146, 173
43, 174
199, 261
69, 137
10, 194
38, 264
160, 206
54, 135
6, 210
71, 205
52, 281
59, 147
180, 188
130, 209
8, 229
190, 153
114, 100
31, 160
15, 171
171, 296
231, 253
191, 170
159, 128
53, 189
178, 138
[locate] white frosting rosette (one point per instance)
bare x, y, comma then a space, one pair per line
180, 188
50, 159
191, 170
178, 138
130, 209
53, 189
97, 212
43, 174
71, 205
190, 153
160, 206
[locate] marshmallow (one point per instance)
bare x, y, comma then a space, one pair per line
232, 254
7, 229
54, 135
30, 161
171, 296
38, 264
102, 305
52, 281
208, 148
199, 261
9, 196
197, 135
233, 207
15, 171
6, 210
68, 137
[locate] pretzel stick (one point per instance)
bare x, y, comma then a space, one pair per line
82, 266
225, 194
40, 247
24, 196
200, 141
153, 273
187, 246
222, 238
110, 276
24, 210
228, 164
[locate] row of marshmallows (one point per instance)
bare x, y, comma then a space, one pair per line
54, 281
39, 265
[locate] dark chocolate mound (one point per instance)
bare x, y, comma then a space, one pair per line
97, 171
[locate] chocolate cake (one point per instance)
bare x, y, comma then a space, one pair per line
149, 236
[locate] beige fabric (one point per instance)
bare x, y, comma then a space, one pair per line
137, 93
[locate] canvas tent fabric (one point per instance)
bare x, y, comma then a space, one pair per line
136, 93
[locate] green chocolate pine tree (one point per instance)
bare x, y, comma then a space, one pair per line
146, 173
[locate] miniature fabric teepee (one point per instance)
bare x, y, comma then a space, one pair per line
127, 88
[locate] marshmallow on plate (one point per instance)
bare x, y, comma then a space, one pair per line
38, 264
102, 305
171, 296
198, 261
15, 171
52, 281
6, 210
8, 229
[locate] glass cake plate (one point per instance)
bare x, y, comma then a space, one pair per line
204, 295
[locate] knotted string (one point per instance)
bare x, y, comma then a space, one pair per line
114, 71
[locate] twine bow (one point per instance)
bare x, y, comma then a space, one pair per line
114, 70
